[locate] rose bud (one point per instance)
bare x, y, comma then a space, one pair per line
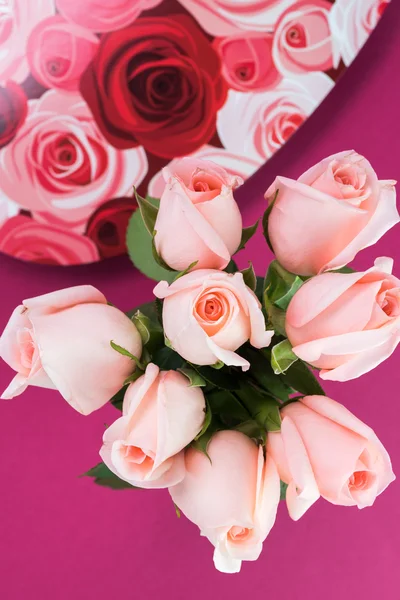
62, 340
322, 449
334, 210
161, 415
346, 324
232, 496
208, 314
198, 219
302, 39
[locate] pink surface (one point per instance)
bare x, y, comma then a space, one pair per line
63, 538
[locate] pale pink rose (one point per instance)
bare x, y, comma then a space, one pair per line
208, 314
247, 62
232, 497
161, 415
25, 239
264, 121
62, 341
351, 22
198, 203
103, 15
346, 324
60, 167
17, 19
302, 39
227, 17
59, 52
334, 210
236, 165
324, 450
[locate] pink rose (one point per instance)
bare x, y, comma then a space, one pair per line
302, 40
334, 210
161, 415
247, 62
264, 121
60, 167
351, 22
198, 202
106, 15
17, 19
62, 341
59, 52
237, 166
208, 314
228, 17
28, 240
346, 324
232, 498
324, 450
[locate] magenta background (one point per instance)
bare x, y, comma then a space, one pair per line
63, 538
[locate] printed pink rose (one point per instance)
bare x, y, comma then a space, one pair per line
198, 202
107, 15
17, 19
28, 240
302, 39
247, 62
351, 22
62, 341
339, 207
228, 17
59, 52
264, 121
161, 415
208, 314
237, 166
232, 497
324, 450
60, 167
108, 225
346, 324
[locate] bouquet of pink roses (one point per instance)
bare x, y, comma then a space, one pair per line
215, 378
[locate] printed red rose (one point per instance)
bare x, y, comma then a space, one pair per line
156, 83
107, 227
28, 240
13, 111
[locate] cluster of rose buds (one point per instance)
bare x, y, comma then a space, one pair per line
219, 403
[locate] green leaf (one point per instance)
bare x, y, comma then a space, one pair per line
220, 378
260, 288
187, 270
276, 316
207, 421
106, 478
232, 267
253, 430
282, 357
150, 330
281, 285
249, 277
148, 210
284, 487
168, 343
139, 243
227, 407
284, 301
195, 379
266, 218
300, 378
168, 359
118, 398
247, 234
201, 443
264, 409
126, 352
262, 373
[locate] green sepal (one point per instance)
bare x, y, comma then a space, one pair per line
177, 510
126, 352
266, 218
167, 342
134, 377
149, 329
253, 430
158, 259
196, 380
276, 317
280, 285
231, 267
106, 478
301, 379
344, 270
247, 234
249, 277
218, 365
282, 357
284, 487
148, 210
187, 270
207, 421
